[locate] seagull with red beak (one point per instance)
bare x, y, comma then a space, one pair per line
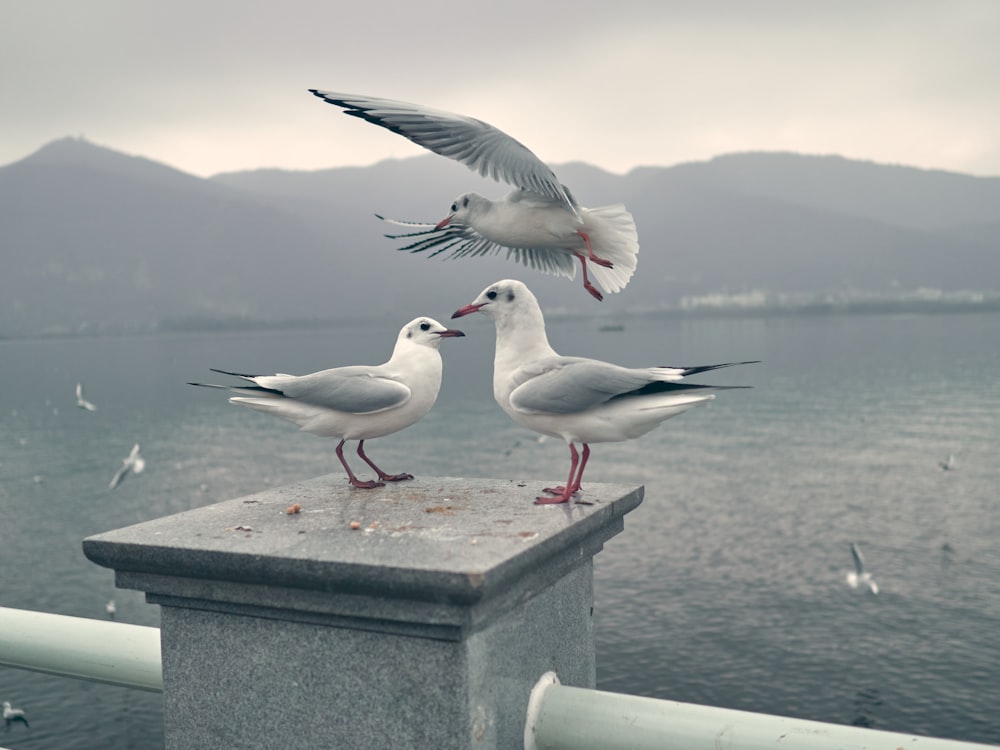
539, 223
357, 402
579, 400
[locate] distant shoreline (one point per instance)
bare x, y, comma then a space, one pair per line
988, 304
874, 306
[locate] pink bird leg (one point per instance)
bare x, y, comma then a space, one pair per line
381, 474
563, 494
355, 482
592, 256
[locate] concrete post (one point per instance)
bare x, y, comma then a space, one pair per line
419, 614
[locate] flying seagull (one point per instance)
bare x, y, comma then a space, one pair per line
859, 575
356, 402
539, 223
133, 463
577, 399
949, 463
81, 401
10, 715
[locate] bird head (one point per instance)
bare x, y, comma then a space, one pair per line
502, 300
427, 332
459, 210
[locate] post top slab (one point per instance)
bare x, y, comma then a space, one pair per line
438, 539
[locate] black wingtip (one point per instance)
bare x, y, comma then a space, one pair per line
660, 386
234, 374
709, 368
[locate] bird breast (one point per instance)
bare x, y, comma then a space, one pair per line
526, 224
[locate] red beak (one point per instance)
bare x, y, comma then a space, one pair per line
443, 223
450, 333
467, 310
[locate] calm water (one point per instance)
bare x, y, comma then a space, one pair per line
727, 586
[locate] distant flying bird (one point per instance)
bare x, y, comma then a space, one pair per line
539, 223
358, 402
859, 575
577, 399
81, 401
133, 463
10, 715
949, 463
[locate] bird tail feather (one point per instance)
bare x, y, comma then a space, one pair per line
613, 236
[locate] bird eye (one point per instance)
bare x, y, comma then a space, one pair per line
491, 294
454, 207
425, 326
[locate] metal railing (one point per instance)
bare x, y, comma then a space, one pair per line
559, 717
562, 717
111, 652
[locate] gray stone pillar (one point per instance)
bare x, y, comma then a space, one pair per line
416, 615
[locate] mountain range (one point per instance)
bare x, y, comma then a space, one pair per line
95, 240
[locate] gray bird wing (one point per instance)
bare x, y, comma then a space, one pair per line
120, 475
356, 390
476, 144
859, 560
462, 241
567, 385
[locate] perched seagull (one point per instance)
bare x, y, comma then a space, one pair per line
10, 715
859, 575
133, 463
540, 223
577, 399
111, 609
81, 401
357, 402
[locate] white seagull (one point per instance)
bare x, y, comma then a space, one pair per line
360, 401
539, 223
111, 609
949, 463
577, 399
859, 575
10, 715
133, 463
81, 401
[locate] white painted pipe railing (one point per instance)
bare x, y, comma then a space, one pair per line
569, 718
559, 717
109, 652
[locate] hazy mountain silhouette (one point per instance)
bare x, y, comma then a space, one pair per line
93, 239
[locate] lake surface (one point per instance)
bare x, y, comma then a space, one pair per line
727, 586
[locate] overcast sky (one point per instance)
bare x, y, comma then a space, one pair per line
219, 86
